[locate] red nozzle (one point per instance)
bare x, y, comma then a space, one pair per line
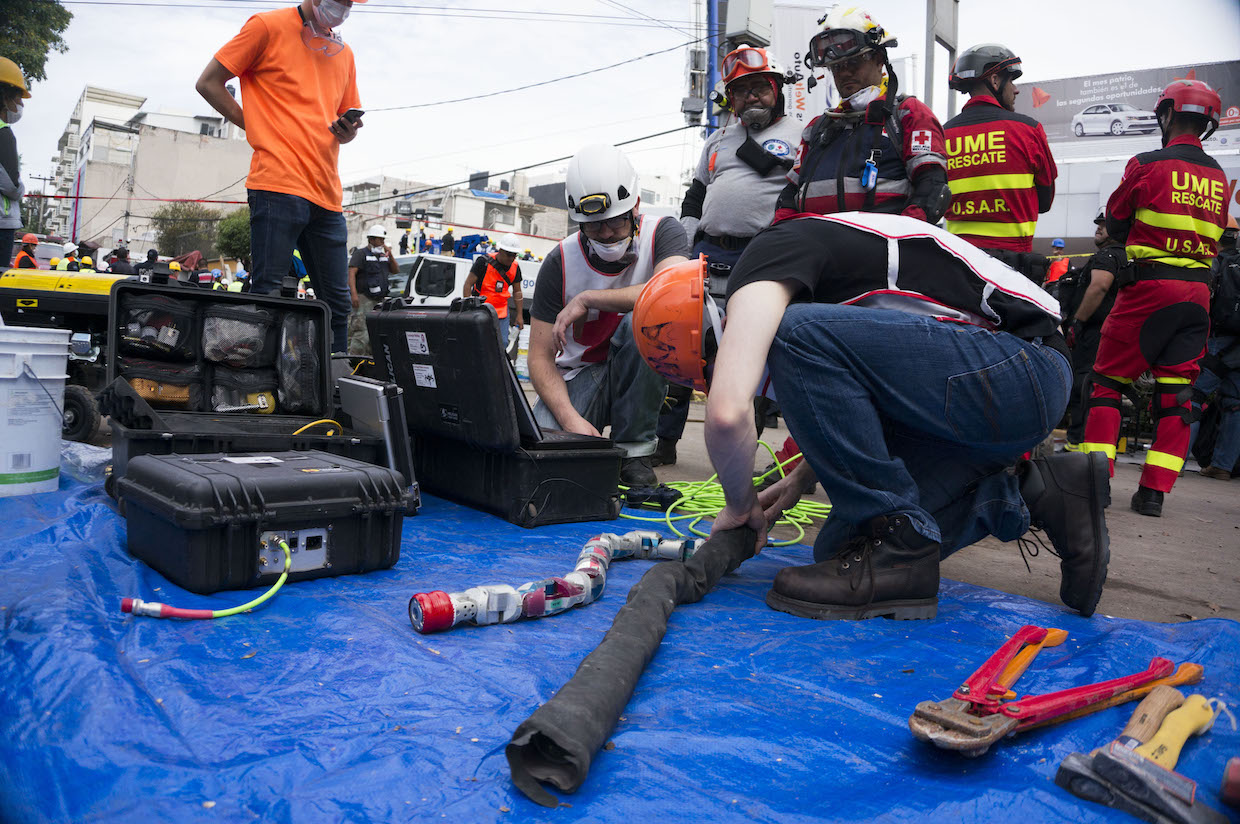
431, 611
126, 605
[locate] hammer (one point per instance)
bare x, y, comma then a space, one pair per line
1145, 774
1076, 773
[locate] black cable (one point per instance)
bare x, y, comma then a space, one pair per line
428, 190
540, 83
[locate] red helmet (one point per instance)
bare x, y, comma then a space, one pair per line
676, 324
29, 238
1192, 97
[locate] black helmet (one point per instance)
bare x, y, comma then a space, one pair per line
980, 62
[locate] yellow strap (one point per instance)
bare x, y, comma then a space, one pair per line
1160, 255
1107, 449
982, 183
1173, 380
985, 228
1180, 223
1164, 460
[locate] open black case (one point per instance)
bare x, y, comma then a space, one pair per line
475, 439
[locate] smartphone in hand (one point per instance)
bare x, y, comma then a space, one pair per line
353, 115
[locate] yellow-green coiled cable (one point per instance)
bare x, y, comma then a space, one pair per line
704, 499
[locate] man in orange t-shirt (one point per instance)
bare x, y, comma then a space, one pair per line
298, 81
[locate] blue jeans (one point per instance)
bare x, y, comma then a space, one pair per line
902, 413
280, 223
622, 391
1227, 446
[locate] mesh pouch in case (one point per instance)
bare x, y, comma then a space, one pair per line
243, 390
165, 385
298, 365
240, 336
158, 327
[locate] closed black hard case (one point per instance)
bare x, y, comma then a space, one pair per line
199, 520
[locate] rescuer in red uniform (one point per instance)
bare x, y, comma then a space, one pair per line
1169, 210
999, 166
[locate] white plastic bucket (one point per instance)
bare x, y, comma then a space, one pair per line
32, 394
523, 353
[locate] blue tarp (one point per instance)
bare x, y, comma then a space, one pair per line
324, 705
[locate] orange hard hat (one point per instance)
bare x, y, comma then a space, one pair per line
30, 238
676, 324
1231, 224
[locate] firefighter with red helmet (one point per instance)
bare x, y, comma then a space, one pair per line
739, 176
1169, 211
999, 165
876, 151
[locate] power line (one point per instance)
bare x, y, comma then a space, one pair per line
541, 82
429, 189
663, 23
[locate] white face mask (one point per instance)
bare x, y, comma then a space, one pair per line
865, 97
376, 249
11, 116
330, 13
610, 252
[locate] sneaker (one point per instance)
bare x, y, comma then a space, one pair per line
638, 472
1215, 472
1147, 501
891, 572
664, 453
1066, 495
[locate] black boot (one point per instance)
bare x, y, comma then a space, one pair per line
1147, 501
1066, 495
892, 572
637, 472
664, 453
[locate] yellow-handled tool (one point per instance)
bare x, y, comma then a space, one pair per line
1194, 717
1017, 666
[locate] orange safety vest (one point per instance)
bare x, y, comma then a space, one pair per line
25, 261
1056, 270
496, 286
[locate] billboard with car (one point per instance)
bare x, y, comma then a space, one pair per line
1101, 106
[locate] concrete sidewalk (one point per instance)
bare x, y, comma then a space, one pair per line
1181, 566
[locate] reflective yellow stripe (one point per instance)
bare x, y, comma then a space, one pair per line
1172, 380
1107, 449
982, 183
1180, 223
1164, 460
1150, 253
988, 229
1118, 379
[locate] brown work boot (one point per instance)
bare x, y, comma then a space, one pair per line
891, 571
1066, 495
1215, 472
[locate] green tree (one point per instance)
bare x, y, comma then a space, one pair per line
183, 227
234, 235
29, 29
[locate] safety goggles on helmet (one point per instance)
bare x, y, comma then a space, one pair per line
316, 39
595, 204
833, 45
744, 60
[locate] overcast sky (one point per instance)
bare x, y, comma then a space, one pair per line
409, 53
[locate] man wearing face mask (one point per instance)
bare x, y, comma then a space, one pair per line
582, 358
12, 92
876, 151
999, 165
732, 196
368, 284
298, 82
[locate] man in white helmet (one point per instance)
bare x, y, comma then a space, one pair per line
368, 284
497, 277
583, 361
732, 196
68, 258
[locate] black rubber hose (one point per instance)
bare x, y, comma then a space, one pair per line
558, 742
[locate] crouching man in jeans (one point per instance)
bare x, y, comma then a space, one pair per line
913, 370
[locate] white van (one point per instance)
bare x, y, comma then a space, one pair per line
436, 280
